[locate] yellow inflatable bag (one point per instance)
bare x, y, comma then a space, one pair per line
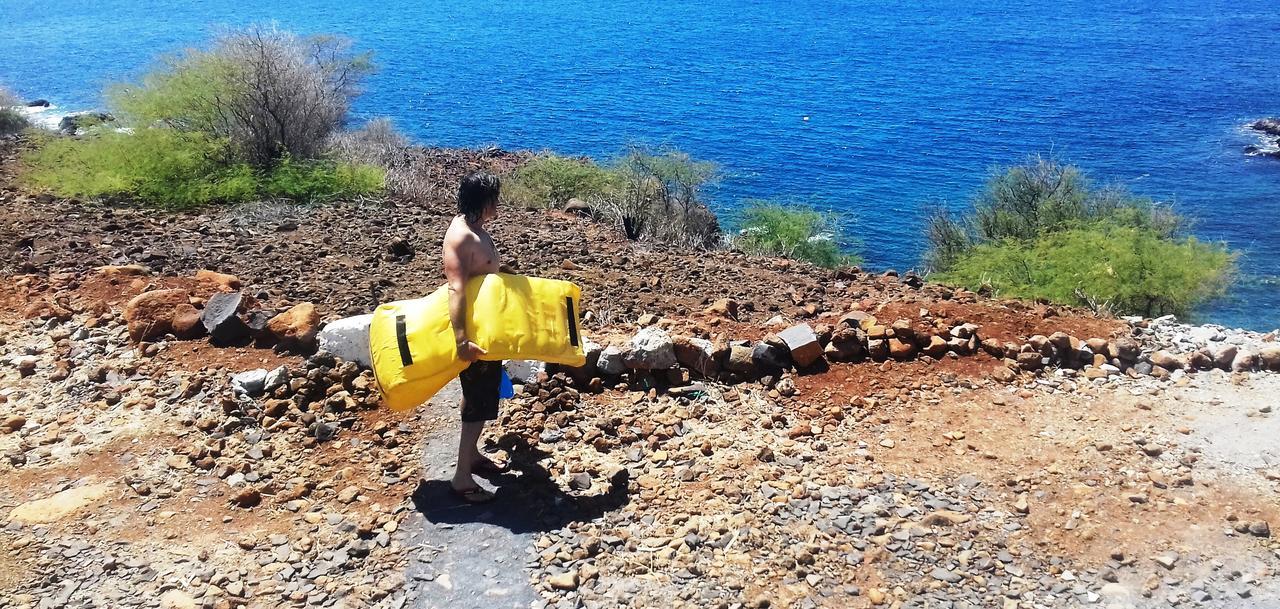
412, 341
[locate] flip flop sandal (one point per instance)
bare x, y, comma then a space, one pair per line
486, 467
474, 495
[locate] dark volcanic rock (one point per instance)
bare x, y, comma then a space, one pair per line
220, 319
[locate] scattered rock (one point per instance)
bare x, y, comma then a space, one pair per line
297, 327
150, 315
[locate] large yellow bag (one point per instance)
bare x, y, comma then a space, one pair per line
510, 316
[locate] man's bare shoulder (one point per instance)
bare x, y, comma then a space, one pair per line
460, 234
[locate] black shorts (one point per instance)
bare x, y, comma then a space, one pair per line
481, 382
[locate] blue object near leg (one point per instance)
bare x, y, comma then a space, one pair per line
505, 389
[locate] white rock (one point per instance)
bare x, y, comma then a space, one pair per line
276, 378
250, 382
348, 339
651, 349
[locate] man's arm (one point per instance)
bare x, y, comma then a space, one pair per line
456, 273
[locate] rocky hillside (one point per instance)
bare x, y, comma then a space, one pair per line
751, 432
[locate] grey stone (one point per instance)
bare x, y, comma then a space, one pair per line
651, 349
610, 361
803, 344
276, 378
221, 320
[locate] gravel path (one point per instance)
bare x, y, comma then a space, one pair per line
466, 556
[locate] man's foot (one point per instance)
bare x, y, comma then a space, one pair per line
485, 466
473, 495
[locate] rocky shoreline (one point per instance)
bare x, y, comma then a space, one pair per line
1268, 131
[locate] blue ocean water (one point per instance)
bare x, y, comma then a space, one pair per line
876, 110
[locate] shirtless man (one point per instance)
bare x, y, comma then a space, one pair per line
468, 252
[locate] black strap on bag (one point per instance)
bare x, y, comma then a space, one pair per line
573, 325
406, 358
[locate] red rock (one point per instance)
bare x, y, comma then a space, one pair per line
219, 281
725, 307
186, 322
803, 344
128, 270
45, 308
901, 349
150, 314
296, 327
937, 347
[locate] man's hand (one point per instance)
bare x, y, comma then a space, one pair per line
469, 351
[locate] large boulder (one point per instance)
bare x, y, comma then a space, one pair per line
1246, 361
901, 349
1224, 356
803, 344
186, 322
769, 359
296, 327
150, 315
651, 349
740, 360
1125, 349
348, 339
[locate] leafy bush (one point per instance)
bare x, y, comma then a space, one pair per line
660, 197
320, 180
268, 93
792, 231
652, 195
1103, 266
550, 180
1039, 230
11, 120
180, 170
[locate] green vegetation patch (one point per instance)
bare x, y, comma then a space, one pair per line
1041, 231
178, 170
789, 230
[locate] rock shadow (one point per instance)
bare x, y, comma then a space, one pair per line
527, 499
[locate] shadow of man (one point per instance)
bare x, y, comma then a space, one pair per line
527, 498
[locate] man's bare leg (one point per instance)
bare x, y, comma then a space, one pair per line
468, 454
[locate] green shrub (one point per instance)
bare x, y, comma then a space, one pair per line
321, 180
1102, 266
12, 121
168, 168
1040, 230
660, 198
550, 180
653, 195
792, 231
268, 93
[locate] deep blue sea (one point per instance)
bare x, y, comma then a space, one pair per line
876, 110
